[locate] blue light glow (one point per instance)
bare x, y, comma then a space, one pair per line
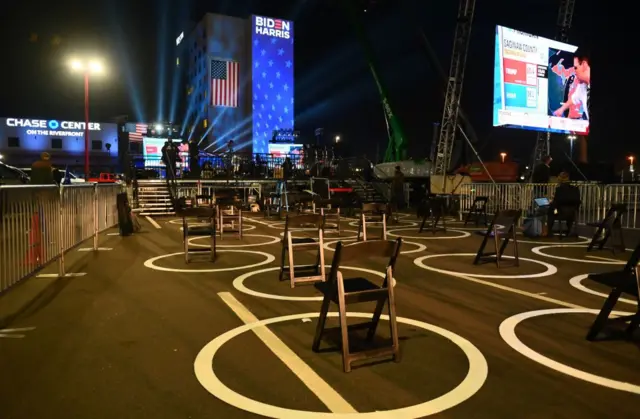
272, 79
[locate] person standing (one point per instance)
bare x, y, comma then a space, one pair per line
42, 171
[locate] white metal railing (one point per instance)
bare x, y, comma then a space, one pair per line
596, 198
39, 223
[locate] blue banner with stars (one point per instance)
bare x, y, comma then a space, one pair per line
272, 79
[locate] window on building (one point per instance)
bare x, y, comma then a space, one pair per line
178, 61
205, 123
96, 145
13, 142
56, 143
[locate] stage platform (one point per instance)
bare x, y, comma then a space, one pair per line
135, 332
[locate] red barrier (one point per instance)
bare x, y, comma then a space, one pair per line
35, 251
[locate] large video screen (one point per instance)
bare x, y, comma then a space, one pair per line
152, 151
272, 78
539, 84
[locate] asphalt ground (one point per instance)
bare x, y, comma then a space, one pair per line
128, 340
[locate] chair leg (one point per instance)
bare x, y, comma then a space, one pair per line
603, 316
393, 323
283, 257
322, 321
344, 327
292, 269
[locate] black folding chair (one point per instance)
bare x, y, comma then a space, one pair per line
624, 281
478, 211
610, 227
500, 237
434, 211
343, 291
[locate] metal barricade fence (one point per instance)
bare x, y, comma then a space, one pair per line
501, 196
38, 224
521, 195
628, 194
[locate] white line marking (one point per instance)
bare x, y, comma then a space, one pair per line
514, 290
542, 293
152, 222
18, 329
113, 234
334, 402
306, 320
69, 275
603, 258
91, 249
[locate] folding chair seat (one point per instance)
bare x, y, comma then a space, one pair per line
500, 237
301, 224
343, 290
207, 228
372, 212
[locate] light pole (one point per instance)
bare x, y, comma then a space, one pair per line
503, 156
86, 67
571, 139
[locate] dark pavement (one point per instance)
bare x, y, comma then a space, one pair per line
122, 340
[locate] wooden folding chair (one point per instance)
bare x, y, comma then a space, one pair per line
477, 211
343, 291
301, 224
229, 217
206, 227
608, 228
331, 216
500, 237
435, 211
625, 281
372, 212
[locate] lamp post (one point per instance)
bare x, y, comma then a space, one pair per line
571, 139
86, 67
503, 156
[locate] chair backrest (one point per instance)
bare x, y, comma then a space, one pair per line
480, 201
365, 250
507, 218
374, 207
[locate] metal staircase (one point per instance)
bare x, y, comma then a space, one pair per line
154, 198
367, 191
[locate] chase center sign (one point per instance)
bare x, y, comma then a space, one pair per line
52, 127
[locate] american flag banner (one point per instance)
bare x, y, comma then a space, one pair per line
137, 132
224, 83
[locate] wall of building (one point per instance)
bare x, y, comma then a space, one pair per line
22, 141
225, 38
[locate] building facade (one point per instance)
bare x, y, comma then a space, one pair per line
22, 140
261, 50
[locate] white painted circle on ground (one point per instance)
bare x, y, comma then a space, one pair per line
238, 284
508, 333
273, 241
281, 226
538, 251
585, 240
576, 282
463, 234
470, 385
354, 237
550, 268
463, 227
151, 263
245, 227
421, 247
379, 223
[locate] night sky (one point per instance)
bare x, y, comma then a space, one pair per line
334, 88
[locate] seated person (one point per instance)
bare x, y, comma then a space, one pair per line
565, 204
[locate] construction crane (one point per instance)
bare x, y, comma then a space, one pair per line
448, 127
565, 17
397, 145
